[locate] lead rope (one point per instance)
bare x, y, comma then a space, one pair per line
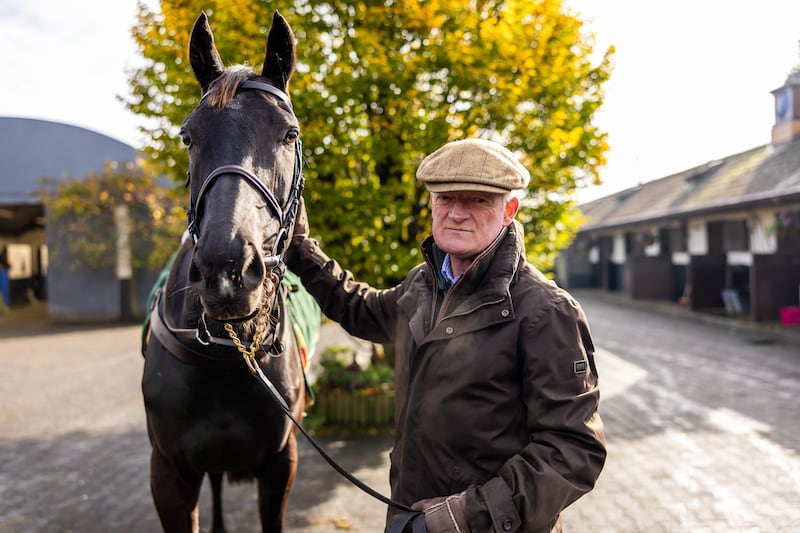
249, 356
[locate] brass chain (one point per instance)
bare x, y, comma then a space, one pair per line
249, 355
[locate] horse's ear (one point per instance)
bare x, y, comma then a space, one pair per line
203, 54
280, 57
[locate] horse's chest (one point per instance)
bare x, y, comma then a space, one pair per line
213, 416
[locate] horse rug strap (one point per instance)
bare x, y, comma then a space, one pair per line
151, 300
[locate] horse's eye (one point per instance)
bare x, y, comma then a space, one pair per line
185, 139
291, 136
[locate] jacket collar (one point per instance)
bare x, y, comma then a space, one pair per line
508, 248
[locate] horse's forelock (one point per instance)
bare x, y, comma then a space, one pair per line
224, 88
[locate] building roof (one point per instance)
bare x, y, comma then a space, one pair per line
32, 149
767, 174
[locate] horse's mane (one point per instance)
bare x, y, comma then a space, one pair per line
224, 88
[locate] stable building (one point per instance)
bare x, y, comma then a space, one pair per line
723, 237
30, 150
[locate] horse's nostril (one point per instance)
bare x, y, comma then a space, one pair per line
253, 275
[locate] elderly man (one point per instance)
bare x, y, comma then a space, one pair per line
496, 421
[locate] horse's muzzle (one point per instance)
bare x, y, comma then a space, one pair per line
230, 282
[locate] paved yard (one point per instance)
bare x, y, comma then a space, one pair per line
702, 424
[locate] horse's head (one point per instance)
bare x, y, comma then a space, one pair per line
244, 173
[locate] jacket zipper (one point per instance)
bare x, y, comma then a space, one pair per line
440, 316
437, 318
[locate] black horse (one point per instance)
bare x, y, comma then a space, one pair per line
222, 309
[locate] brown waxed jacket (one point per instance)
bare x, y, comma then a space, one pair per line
496, 394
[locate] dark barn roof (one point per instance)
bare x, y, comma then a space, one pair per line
767, 175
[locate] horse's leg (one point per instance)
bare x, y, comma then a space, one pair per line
175, 495
274, 485
217, 523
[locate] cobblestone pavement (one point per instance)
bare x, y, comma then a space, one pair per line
702, 424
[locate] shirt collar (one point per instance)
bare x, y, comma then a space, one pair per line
447, 270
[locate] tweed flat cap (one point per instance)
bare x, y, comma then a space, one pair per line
473, 165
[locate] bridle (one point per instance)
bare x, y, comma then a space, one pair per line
286, 214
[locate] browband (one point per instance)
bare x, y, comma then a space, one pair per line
261, 86
266, 87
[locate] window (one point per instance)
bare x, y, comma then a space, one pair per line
735, 236
728, 236
677, 239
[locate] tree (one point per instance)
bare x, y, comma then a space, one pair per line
82, 212
379, 85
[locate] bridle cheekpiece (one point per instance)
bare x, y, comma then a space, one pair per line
286, 214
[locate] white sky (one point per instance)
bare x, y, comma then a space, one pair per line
691, 82
66, 61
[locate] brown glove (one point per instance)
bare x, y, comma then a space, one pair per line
445, 515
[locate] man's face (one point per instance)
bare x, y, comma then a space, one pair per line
465, 223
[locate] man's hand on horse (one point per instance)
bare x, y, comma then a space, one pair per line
445, 515
300, 223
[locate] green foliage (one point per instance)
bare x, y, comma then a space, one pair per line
341, 372
349, 399
380, 85
82, 212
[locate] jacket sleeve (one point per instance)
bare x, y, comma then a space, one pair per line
567, 444
360, 309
